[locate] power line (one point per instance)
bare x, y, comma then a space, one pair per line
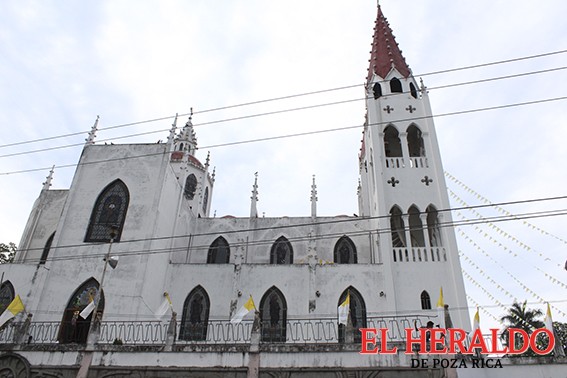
477, 110
287, 97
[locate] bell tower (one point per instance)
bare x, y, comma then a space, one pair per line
402, 185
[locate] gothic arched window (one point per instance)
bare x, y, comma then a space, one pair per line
415, 142
356, 314
397, 228
281, 252
190, 187
46, 249
75, 329
345, 251
7, 295
433, 228
195, 319
392, 144
219, 252
109, 212
395, 85
377, 90
416, 227
273, 315
205, 199
425, 300
413, 90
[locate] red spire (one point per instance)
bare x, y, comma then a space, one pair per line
385, 52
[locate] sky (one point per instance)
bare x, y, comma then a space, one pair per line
62, 63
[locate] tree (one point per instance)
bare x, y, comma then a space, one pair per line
519, 316
560, 331
7, 252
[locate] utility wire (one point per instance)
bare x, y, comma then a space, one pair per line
286, 97
477, 110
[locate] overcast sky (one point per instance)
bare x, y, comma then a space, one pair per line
62, 63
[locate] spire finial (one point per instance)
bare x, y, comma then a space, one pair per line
48, 179
187, 140
254, 198
208, 160
313, 198
171, 136
92, 134
214, 174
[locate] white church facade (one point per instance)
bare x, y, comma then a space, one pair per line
149, 206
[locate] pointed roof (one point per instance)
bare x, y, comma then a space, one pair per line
385, 52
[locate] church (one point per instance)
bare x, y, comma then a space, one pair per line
134, 232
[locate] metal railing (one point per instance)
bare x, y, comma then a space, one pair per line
295, 331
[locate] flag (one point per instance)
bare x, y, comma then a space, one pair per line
344, 309
441, 309
548, 320
87, 310
165, 305
14, 308
243, 311
476, 321
440, 302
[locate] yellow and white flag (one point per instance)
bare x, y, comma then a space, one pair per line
14, 308
243, 311
165, 305
87, 310
344, 309
476, 321
441, 309
548, 319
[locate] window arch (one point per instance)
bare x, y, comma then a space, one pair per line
416, 227
190, 187
415, 141
7, 295
219, 252
273, 315
282, 252
395, 85
425, 300
377, 90
109, 211
397, 228
345, 251
433, 229
413, 90
356, 314
392, 144
195, 319
75, 329
46, 249
205, 199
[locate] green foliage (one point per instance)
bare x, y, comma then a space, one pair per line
519, 316
7, 252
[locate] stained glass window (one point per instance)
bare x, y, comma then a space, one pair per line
109, 213
273, 315
190, 187
195, 318
356, 315
345, 251
205, 200
219, 252
7, 295
46, 249
281, 252
425, 300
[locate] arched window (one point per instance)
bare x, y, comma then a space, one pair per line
190, 187
46, 249
345, 251
273, 315
219, 252
433, 228
356, 315
415, 142
397, 228
109, 212
7, 295
281, 252
425, 301
75, 329
377, 90
413, 90
416, 227
392, 144
195, 318
395, 85
205, 199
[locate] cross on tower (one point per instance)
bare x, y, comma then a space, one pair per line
393, 182
410, 109
388, 109
426, 180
